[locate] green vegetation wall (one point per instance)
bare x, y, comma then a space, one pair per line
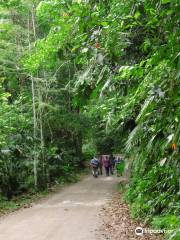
40, 129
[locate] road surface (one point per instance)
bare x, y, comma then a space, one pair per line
70, 214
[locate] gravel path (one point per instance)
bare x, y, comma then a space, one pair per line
71, 214
88, 210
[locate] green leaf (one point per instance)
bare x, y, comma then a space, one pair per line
165, 1
137, 15
104, 24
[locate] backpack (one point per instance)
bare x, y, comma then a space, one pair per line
95, 162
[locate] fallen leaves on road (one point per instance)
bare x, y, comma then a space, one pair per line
118, 224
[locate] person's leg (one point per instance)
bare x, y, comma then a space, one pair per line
117, 171
100, 169
113, 166
95, 171
111, 169
107, 171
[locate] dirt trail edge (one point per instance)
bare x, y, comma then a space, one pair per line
71, 214
118, 224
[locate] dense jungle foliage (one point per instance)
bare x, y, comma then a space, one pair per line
88, 77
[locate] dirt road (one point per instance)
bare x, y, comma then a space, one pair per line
71, 214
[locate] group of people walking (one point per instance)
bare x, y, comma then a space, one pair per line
110, 163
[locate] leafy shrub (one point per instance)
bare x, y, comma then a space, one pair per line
169, 222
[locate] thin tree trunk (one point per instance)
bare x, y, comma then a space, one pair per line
34, 131
41, 130
34, 112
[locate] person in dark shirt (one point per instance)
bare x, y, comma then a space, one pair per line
100, 165
95, 166
111, 158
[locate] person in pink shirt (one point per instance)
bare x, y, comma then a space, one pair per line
106, 163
